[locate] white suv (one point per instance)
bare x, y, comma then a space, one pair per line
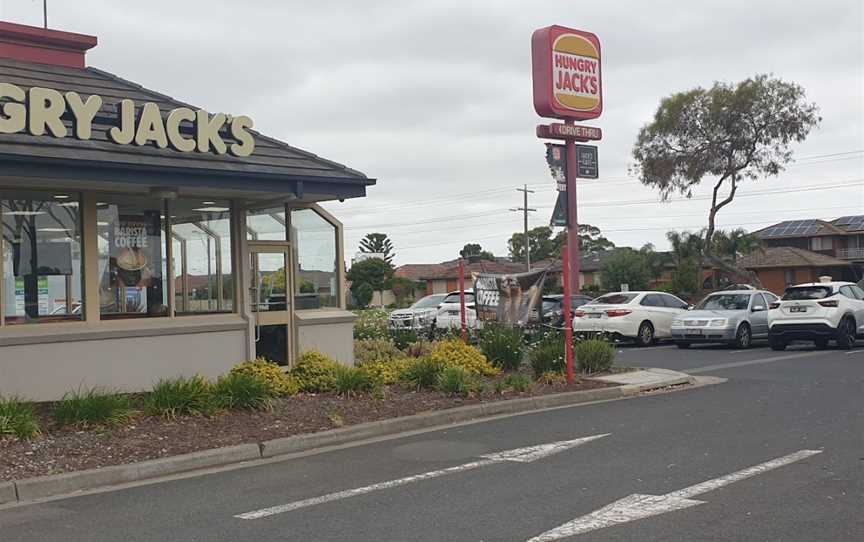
818, 312
449, 312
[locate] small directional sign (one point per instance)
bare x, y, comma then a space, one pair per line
586, 158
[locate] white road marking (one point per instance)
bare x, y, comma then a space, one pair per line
517, 455
641, 348
717, 367
638, 506
854, 352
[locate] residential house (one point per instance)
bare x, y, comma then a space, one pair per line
779, 267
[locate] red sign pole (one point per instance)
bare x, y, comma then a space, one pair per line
462, 300
568, 320
572, 218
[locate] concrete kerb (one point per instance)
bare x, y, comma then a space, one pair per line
62, 484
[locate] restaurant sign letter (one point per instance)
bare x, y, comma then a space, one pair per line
566, 66
39, 111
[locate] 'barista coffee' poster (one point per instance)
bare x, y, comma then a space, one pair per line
136, 260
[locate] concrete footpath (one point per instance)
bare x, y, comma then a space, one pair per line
34, 489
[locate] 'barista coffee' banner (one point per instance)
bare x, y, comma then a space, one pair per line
509, 299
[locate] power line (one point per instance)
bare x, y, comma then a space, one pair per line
525, 210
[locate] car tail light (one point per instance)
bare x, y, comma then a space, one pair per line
618, 312
579, 314
775, 305
829, 303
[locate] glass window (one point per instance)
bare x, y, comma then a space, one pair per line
652, 300
807, 292
132, 263
201, 253
455, 298
725, 302
266, 225
314, 242
614, 299
41, 257
673, 302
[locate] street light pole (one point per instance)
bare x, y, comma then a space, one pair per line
525, 210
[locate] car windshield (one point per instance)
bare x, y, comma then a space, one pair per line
428, 302
725, 302
614, 299
454, 298
807, 292
550, 305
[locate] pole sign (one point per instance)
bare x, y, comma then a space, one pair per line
559, 214
586, 162
569, 131
567, 77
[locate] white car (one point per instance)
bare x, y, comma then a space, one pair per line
418, 317
449, 312
643, 316
818, 312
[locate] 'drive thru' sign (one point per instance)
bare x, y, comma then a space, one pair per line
567, 75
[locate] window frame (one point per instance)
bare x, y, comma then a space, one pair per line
340, 252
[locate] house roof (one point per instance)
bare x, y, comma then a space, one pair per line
450, 270
274, 164
812, 227
787, 257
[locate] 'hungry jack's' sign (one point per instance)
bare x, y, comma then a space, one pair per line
39, 111
567, 75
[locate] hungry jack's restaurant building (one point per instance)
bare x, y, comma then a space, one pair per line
143, 237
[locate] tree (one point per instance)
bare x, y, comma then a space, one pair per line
542, 245
653, 261
687, 256
473, 249
545, 246
362, 294
729, 133
378, 243
733, 243
591, 241
685, 246
626, 266
403, 289
374, 272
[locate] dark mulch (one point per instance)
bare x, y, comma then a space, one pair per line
61, 450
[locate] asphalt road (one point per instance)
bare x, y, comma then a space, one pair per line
774, 405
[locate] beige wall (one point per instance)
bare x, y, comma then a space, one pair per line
44, 372
440, 287
329, 331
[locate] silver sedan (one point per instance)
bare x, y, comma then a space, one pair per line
736, 317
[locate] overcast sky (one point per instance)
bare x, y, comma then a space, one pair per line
433, 99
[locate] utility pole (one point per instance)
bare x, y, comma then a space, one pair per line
525, 210
45, 13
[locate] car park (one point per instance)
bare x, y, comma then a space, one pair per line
641, 316
449, 312
819, 312
418, 317
733, 317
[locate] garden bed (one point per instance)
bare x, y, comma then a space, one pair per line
66, 449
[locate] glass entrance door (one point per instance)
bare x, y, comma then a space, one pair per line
272, 302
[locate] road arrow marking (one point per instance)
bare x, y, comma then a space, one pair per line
518, 455
636, 506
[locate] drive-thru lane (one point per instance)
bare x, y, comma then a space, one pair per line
656, 446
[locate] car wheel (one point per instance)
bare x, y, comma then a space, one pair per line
776, 344
646, 334
821, 344
683, 346
743, 337
846, 334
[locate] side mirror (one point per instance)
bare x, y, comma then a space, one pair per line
758, 308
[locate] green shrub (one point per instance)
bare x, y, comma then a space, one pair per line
243, 392
548, 354
457, 381
279, 382
513, 381
503, 345
371, 324
18, 419
173, 397
551, 378
455, 353
595, 355
385, 373
315, 372
423, 372
94, 406
403, 337
375, 350
351, 380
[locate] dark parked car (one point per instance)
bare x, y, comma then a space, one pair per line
552, 312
